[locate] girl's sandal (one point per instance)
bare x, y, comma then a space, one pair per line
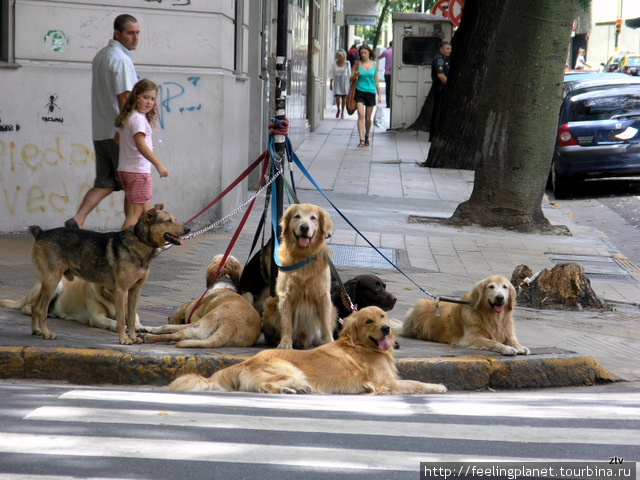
361, 144
366, 141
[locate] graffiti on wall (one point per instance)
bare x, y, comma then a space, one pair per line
56, 40
169, 92
50, 107
50, 196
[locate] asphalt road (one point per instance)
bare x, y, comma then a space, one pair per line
54, 431
613, 208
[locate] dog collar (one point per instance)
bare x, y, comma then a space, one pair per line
288, 268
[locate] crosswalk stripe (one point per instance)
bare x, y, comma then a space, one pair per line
158, 449
392, 406
498, 433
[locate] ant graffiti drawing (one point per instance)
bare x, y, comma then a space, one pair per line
51, 104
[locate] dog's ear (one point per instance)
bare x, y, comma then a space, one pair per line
325, 223
286, 219
159, 206
350, 327
150, 215
477, 294
511, 304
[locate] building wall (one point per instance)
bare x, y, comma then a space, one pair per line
601, 43
46, 152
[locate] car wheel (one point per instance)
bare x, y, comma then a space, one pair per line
560, 185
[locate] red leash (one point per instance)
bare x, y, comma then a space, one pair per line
238, 230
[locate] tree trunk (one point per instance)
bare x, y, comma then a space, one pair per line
518, 116
454, 145
383, 14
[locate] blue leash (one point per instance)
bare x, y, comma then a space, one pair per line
291, 154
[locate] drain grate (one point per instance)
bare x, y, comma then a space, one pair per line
366, 257
596, 268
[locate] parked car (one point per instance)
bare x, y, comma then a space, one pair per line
598, 130
629, 64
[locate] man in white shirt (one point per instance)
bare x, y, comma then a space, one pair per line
113, 78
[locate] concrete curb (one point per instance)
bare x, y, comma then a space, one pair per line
103, 366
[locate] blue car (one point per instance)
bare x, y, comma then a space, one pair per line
598, 131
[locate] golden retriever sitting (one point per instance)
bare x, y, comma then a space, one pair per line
360, 361
78, 300
303, 317
484, 324
222, 319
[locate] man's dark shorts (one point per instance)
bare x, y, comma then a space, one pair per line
107, 152
369, 99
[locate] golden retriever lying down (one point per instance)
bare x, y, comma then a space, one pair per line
485, 324
78, 300
360, 361
304, 315
223, 317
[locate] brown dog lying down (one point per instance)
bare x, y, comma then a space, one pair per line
484, 324
77, 300
222, 319
360, 361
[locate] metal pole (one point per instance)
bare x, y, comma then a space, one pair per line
280, 114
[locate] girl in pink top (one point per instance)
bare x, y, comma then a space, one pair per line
133, 134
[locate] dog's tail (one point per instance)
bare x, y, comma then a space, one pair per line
224, 380
35, 231
15, 304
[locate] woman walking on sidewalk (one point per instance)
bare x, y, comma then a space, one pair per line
366, 90
339, 82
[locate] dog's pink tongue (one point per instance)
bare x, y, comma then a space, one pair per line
384, 344
303, 241
498, 308
180, 240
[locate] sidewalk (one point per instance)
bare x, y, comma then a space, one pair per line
392, 201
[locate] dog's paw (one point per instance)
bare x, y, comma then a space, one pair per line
125, 341
288, 390
304, 389
49, 336
523, 350
285, 346
507, 350
37, 331
438, 388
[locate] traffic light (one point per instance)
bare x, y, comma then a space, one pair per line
618, 25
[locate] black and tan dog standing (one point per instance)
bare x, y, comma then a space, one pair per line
117, 260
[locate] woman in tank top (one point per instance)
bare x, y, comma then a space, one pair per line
366, 90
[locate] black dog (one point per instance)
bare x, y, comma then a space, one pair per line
365, 291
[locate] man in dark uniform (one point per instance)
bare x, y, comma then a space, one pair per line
439, 75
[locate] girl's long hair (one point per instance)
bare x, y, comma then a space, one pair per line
139, 88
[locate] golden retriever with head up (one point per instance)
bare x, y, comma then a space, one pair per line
360, 361
485, 323
303, 317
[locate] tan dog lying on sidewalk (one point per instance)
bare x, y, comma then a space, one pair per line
222, 319
76, 299
484, 324
360, 361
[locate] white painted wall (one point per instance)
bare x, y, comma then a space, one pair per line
46, 153
601, 41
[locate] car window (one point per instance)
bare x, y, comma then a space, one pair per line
604, 103
633, 62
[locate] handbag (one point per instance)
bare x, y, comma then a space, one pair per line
351, 96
